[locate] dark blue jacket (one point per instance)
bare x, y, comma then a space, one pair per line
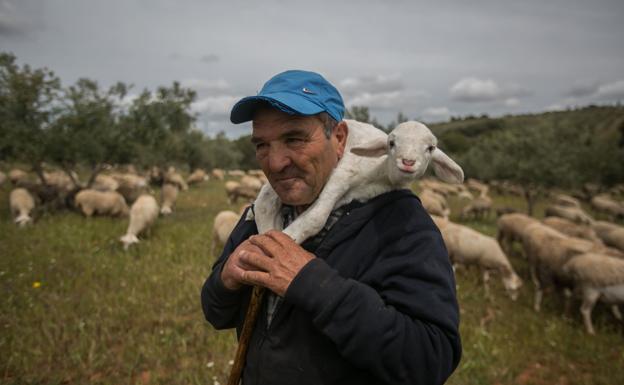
377, 306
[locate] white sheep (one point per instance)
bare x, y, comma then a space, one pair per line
17, 176
572, 229
575, 214
143, 214
218, 174
597, 276
92, 202
603, 203
373, 163
168, 195
469, 247
222, 227
22, 204
104, 182
434, 203
197, 177
510, 228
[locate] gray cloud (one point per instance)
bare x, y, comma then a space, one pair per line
582, 89
210, 58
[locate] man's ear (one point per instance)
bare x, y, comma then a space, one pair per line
372, 149
340, 132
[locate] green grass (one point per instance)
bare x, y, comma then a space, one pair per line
105, 316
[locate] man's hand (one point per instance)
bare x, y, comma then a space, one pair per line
274, 262
234, 268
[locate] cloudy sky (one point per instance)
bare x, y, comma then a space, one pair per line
429, 60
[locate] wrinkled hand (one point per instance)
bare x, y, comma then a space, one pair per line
234, 268
276, 263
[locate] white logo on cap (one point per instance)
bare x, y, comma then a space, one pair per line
307, 91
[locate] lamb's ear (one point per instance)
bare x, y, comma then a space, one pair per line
445, 168
373, 148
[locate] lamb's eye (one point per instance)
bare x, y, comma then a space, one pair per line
391, 143
430, 148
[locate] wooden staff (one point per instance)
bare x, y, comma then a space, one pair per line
243, 342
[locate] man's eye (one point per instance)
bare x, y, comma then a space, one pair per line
260, 146
294, 140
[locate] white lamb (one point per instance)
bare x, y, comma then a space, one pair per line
143, 214
22, 204
224, 223
373, 163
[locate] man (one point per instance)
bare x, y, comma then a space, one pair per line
370, 299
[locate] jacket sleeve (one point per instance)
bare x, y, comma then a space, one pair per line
403, 324
221, 305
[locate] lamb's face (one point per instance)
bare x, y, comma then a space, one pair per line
410, 146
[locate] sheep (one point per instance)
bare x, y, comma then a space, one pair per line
17, 176
434, 203
224, 223
548, 250
614, 237
197, 177
566, 200
605, 204
171, 176
143, 214
373, 163
169, 194
236, 173
480, 207
572, 229
575, 214
104, 183
597, 276
510, 229
131, 186
21, 204
218, 174
251, 182
469, 247
91, 202
235, 190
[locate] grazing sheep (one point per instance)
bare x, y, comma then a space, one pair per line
21, 204
434, 203
606, 205
566, 200
572, 229
197, 177
60, 180
224, 223
373, 163
597, 277
548, 250
131, 186
236, 173
168, 196
469, 247
104, 182
612, 236
218, 174
575, 214
251, 182
476, 185
510, 229
143, 214
91, 202
17, 176
171, 176
480, 207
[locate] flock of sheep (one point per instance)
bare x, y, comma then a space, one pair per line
123, 193
568, 251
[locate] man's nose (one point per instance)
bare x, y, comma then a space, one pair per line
279, 159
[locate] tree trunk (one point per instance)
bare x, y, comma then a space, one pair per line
96, 170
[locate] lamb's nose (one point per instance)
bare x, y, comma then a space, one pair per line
408, 162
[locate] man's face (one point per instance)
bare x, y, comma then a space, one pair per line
294, 153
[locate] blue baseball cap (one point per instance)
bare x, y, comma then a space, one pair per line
294, 92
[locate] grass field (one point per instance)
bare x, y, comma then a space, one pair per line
77, 309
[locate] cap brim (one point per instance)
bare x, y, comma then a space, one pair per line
293, 104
